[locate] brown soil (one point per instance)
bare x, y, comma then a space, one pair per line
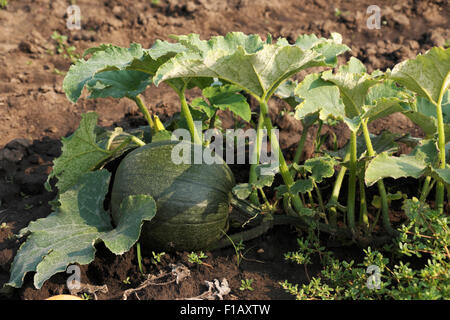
35, 114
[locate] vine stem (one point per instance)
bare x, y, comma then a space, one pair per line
284, 170
138, 100
352, 183
301, 143
380, 183
441, 144
337, 190
253, 175
139, 257
363, 213
188, 116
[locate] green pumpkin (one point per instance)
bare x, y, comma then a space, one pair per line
192, 200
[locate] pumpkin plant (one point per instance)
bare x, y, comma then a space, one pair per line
79, 219
184, 205
428, 77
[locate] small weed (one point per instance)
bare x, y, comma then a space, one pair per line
337, 12
157, 257
3, 226
3, 4
127, 281
246, 284
63, 47
197, 258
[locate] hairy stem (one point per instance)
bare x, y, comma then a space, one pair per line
284, 170
253, 176
380, 183
441, 144
188, 116
352, 183
337, 190
363, 213
144, 110
320, 199
301, 144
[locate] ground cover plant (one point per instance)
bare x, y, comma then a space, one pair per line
224, 68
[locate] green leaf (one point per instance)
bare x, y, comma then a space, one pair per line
328, 48
286, 92
354, 65
320, 168
246, 61
200, 104
443, 174
319, 96
352, 86
412, 165
110, 58
428, 75
118, 84
302, 186
263, 181
242, 190
384, 99
227, 97
80, 153
69, 234
113, 58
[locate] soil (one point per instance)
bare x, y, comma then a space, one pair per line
35, 114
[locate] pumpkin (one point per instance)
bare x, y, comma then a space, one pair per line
192, 200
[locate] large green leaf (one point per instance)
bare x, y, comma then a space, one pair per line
352, 85
384, 99
68, 235
118, 84
328, 48
113, 58
244, 60
413, 165
227, 97
81, 152
286, 92
428, 75
320, 96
